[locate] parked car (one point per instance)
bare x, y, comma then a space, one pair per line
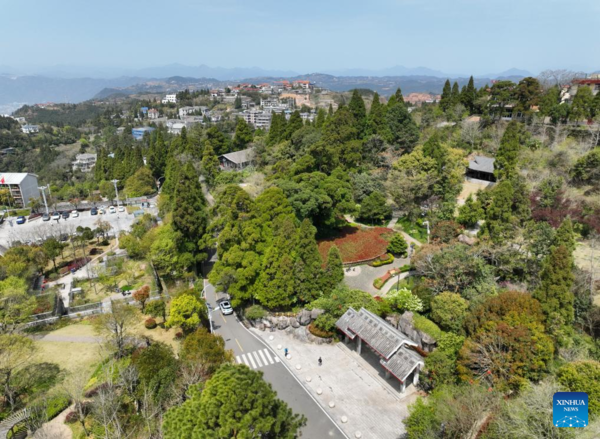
55, 216
94, 211
101, 211
45, 217
112, 209
21, 220
74, 214
226, 308
65, 214
121, 209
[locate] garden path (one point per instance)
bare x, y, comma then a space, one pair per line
56, 428
409, 239
363, 280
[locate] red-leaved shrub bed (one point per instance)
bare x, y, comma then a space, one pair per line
356, 244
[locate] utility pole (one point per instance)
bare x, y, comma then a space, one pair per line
42, 188
116, 190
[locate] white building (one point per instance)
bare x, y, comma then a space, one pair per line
84, 162
259, 119
177, 127
22, 187
153, 113
170, 99
30, 129
186, 111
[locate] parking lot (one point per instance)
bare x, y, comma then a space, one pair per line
37, 230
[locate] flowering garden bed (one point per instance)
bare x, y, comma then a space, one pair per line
358, 245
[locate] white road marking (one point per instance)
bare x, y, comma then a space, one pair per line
257, 359
268, 356
262, 357
245, 361
251, 360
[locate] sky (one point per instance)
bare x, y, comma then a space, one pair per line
454, 36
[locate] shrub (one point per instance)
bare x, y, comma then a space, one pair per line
179, 335
71, 418
427, 326
325, 322
398, 245
150, 323
55, 405
317, 332
405, 268
104, 243
255, 312
379, 282
388, 258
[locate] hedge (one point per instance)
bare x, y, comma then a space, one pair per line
383, 260
55, 405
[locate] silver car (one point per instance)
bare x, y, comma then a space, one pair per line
226, 308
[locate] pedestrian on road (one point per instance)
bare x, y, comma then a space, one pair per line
320, 361
285, 351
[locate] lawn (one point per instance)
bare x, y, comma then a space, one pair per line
357, 244
414, 229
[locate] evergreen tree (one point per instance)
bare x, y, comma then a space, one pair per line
565, 236
402, 131
398, 95
554, 292
582, 106
190, 217
237, 103
359, 112
210, 166
235, 402
446, 99
398, 245
470, 212
469, 96
330, 111
320, 119
498, 216
376, 120
505, 166
294, 124
334, 270
307, 270
243, 135
277, 129
455, 95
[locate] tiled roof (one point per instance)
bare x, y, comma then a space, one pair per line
403, 363
239, 157
483, 164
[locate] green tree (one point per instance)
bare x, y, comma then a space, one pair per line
116, 325
449, 310
307, 270
210, 165
206, 350
243, 135
186, 312
237, 103
587, 168
334, 270
554, 292
376, 120
277, 128
446, 99
505, 165
583, 376
374, 208
141, 183
16, 353
157, 308
469, 96
359, 112
293, 125
455, 94
402, 131
17, 304
470, 212
217, 140
528, 94
404, 300
582, 106
235, 402
398, 245
52, 248
190, 217
499, 218
157, 369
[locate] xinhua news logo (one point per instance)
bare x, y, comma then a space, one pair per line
570, 410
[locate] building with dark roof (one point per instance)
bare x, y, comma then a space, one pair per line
481, 168
237, 160
394, 348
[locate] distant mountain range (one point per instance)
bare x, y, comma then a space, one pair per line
76, 84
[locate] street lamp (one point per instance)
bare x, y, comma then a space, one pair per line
116, 190
42, 188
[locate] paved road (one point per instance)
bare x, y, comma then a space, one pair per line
251, 351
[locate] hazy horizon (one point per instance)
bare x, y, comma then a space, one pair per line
462, 38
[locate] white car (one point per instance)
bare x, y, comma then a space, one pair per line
74, 214
56, 216
121, 209
226, 308
112, 209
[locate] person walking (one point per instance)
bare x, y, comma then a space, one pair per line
320, 361
285, 352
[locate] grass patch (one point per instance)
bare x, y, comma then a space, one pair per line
414, 229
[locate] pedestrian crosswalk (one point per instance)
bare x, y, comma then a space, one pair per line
257, 359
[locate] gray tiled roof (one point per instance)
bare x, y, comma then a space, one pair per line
240, 157
403, 363
482, 164
373, 330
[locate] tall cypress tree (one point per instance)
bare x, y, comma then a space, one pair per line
307, 270
243, 135
505, 165
294, 124
376, 120
320, 119
190, 217
334, 270
455, 94
565, 236
398, 95
446, 99
210, 166
359, 111
402, 131
277, 128
498, 216
469, 95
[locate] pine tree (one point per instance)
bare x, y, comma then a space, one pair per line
505, 166
565, 236
498, 216
402, 131
334, 270
330, 111
243, 135
294, 124
376, 120
237, 104
320, 119
446, 99
359, 112
277, 129
554, 292
307, 270
455, 94
210, 166
398, 95
217, 140
190, 217
469, 96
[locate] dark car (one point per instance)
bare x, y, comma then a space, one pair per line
21, 220
94, 211
65, 214
45, 217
